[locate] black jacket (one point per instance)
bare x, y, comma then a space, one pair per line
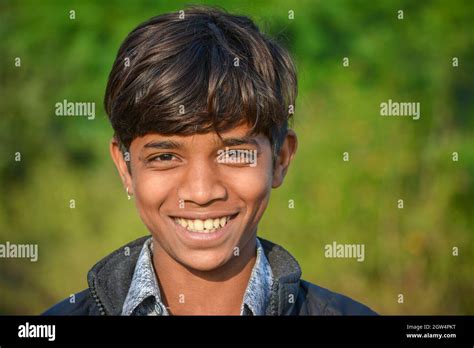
109, 281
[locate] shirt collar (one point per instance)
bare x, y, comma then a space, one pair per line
144, 296
257, 294
144, 285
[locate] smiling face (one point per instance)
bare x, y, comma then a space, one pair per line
198, 198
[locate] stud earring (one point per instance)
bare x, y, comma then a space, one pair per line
128, 194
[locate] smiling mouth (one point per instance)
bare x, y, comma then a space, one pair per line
204, 226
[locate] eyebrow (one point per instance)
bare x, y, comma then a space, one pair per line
170, 144
246, 140
164, 144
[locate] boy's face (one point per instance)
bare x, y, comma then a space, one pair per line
198, 201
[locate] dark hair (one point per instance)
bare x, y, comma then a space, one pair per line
199, 70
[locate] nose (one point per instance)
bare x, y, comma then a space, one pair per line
201, 184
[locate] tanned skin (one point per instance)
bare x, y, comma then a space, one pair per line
178, 176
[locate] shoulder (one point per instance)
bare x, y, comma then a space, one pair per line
320, 301
81, 303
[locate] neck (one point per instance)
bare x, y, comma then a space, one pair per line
186, 291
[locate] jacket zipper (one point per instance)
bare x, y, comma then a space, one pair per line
97, 301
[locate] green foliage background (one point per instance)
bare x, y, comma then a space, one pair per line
408, 251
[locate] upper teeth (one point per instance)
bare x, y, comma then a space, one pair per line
204, 226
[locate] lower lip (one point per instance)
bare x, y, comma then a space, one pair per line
196, 236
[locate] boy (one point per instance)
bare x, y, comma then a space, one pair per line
200, 102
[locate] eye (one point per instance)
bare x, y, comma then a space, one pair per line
238, 157
164, 157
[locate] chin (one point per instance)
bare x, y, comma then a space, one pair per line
206, 261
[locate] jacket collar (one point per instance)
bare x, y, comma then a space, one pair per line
109, 280
286, 279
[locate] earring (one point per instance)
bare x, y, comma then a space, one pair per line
128, 194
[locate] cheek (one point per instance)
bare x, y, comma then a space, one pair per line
149, 188
151, 191
253, 185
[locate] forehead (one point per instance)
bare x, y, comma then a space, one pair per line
236, 136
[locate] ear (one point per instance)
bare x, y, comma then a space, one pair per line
121, 164
286, 155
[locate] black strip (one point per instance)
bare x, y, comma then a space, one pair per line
259, 330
